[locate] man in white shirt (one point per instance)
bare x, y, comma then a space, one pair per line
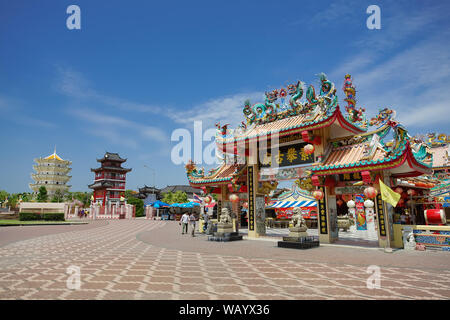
184, 222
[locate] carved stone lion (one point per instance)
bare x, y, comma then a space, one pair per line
225, 217
297, 219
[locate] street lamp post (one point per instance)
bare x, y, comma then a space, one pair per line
154, 172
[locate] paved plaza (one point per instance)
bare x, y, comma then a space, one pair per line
142, 259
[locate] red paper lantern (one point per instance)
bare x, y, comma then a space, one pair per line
398, 190
318, 195
234, 198
317, 140
370, 192
315, 181
305, 136
309, 149
366, 177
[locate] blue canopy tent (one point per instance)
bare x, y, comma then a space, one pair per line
185, 205
158, 205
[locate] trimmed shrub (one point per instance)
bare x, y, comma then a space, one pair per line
29, 216
53, 216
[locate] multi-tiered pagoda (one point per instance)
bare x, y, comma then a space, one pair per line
110, 179
52, 173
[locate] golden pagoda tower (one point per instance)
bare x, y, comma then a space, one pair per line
52, 173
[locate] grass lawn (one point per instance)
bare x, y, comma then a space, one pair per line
38, 222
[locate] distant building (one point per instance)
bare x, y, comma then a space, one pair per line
52, 173
110, 179
183, 188
149, 194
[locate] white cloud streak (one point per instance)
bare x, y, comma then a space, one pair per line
226, 109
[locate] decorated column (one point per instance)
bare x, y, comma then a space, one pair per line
323, 224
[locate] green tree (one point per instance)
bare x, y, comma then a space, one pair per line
139, 203
58, 196
42, 194
177, 197
26, 197
130, 193
13, 200
68, 196
3, 195
168, 198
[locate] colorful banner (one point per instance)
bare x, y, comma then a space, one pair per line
361, 223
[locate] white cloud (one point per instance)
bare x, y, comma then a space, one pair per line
226, 109
414, 82
113, 137
118, 128
73, 84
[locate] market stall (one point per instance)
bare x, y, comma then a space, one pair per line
287, 202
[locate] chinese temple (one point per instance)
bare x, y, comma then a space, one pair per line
328, 149
110, 179
52, 173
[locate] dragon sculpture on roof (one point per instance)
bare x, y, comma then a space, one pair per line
270, 110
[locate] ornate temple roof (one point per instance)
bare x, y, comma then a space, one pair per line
101, 184
120, 169
340, 156
224, 174
54, 156
109, 156
373, 154
285, 116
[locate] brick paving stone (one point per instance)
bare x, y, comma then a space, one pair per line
194, 296
130, 286
227, 288
159, 287
162, 279
115, 263
192, 288
262, 289
156, 296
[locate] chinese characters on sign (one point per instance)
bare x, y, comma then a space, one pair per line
322, 207
356, 176
381, 216
251, 199
287, 156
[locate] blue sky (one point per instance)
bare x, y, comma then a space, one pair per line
137, 70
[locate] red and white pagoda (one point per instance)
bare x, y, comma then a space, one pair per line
110, 179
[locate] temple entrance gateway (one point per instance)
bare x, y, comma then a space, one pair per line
330, 153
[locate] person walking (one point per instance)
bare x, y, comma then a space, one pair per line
192, 222
205, 221
184, 222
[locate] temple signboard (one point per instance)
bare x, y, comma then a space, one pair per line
290, 155
270, 174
